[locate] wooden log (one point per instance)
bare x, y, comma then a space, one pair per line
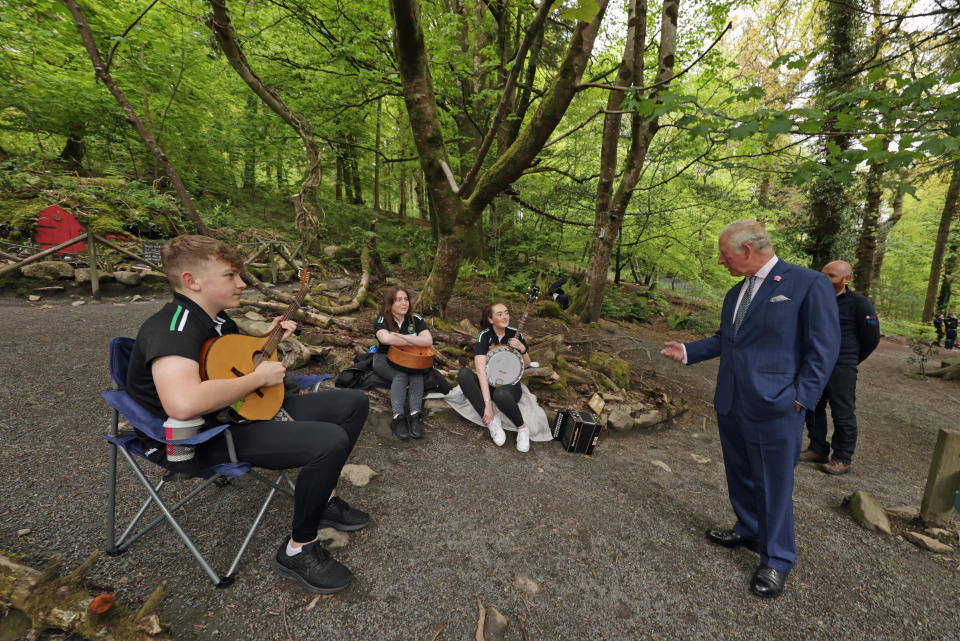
320, 320
94, 276
45, 252
948, 373
128, 253
943, 479
61, 603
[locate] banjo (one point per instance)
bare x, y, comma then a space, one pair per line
505, 364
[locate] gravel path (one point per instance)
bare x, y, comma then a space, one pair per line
614, 542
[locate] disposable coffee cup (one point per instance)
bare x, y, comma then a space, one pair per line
177, 430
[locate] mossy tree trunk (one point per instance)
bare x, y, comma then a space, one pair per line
460, 207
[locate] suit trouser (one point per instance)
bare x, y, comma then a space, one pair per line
759, 458
841, 392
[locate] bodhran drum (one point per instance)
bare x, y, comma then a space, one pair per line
504, 366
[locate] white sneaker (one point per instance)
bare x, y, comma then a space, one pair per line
523, 440
496, 431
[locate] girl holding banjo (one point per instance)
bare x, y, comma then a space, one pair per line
484, 389
400, 330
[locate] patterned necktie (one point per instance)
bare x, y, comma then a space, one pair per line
744, 304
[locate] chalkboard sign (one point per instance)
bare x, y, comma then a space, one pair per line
151, 250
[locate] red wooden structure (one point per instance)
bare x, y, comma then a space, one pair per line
54, 226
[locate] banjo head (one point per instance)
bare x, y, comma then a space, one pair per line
504, 366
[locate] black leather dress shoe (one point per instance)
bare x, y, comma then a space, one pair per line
767, 582
730, 539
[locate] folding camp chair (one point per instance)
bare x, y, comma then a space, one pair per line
129, 445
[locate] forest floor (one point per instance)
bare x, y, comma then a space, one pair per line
613, 542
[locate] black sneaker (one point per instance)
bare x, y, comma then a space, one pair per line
399, 427
339, 515
313, 568
414, 425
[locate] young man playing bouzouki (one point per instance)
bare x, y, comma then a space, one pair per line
164, 377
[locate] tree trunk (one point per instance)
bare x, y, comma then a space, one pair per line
377, 160
305, 202
457, 212
949, 271
250, 149
611, 207
74, 150
867, 247
828, 197
131, 116
896, 207
339, 187
943, 233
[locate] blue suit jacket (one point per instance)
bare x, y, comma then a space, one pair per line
786, 347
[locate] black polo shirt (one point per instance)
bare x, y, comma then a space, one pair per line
178, 329
413, 324
488, 338
859, 328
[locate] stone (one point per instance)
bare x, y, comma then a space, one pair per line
468, 327
252, 328
928, 543
358, 475
867, 512
649, 419
131, 279
940, 533
136, 298
613, 366
52, 289
153, 276
77, 303
338, 283
332, 538
906, 512
33, 298
330, 251
494, 625
663, 466
48, 270
254, 316
620, 419
699, 459
525, 584
25, 531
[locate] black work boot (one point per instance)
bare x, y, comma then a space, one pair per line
414, 425
399, 427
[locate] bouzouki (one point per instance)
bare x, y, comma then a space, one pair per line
236, 355
505, 364
411, 358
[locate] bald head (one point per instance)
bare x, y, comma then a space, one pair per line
840, 273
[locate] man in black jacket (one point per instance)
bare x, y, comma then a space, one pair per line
859, 336
950, 327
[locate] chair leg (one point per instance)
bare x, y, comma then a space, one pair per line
173, 522
256, 523
111, 548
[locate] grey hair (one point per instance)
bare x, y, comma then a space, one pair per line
747, 232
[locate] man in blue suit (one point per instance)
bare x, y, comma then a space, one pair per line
778, 341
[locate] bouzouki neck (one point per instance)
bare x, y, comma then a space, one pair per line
274, 338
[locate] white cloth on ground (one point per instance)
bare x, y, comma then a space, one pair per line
534, 415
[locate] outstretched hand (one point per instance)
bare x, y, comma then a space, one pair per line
673, 350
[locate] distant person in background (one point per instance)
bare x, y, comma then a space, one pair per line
950, 328
557, 294
859, 336
938, 327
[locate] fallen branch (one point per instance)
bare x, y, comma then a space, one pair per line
949, 373
51, 601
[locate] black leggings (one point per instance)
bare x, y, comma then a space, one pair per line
319, 441
505, 397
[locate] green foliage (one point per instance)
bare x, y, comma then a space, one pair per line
921, 350
621, 303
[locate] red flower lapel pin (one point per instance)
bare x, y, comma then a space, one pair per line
777, 278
